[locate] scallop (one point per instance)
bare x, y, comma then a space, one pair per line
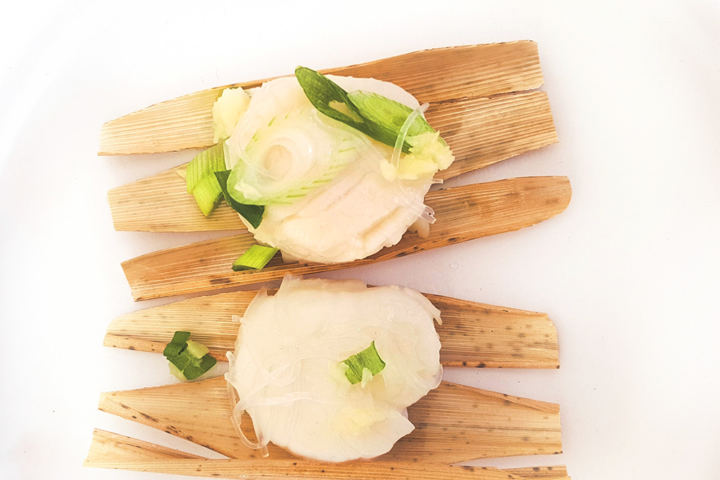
289, 372
330, 200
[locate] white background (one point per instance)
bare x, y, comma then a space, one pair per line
630, 273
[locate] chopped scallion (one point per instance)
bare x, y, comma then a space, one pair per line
188, 359
252, 213
200, 178
177, 344
255, 258
207, 193
204, 164
368, 359
386, 118
374, 115
194, 370
330, 98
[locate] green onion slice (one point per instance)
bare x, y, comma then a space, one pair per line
386, 118
204, 164
207, 193
177, 344
367, 359
197, 368
376, 116
252, 213
188, 359
330, 98
255, 258
200, 178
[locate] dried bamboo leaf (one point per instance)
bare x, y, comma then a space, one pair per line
453, 423
108, 446
463, 213
472, 334
481, 131
431, 75
555, 472
299, 470
111, 450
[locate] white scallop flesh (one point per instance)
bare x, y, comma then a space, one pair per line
359, 211
287, 366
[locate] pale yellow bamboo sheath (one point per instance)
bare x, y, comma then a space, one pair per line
110, 450
472, 334
480, 131
453, 423
431, 75
463, 213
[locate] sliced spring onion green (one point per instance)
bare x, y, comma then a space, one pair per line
252, 213
195, 369
255, 258
180, 361
188, 359
177, 344
386, 118
176, 372
368, 359
200, 178
374, 115
197, 350
330, 98
205, 164
207, 194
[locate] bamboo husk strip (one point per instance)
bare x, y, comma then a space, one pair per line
472, 334
110, 450
109, 446
288, 470
453, 423
555, 472
431, 75
480, 131
463, 213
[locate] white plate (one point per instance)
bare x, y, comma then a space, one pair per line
629, 273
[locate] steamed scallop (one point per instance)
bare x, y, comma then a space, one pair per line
289, 366
330, 192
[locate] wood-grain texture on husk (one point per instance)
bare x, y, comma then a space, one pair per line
463, 213
113, 451
472, 334
453, 423
480, 131
431, 75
